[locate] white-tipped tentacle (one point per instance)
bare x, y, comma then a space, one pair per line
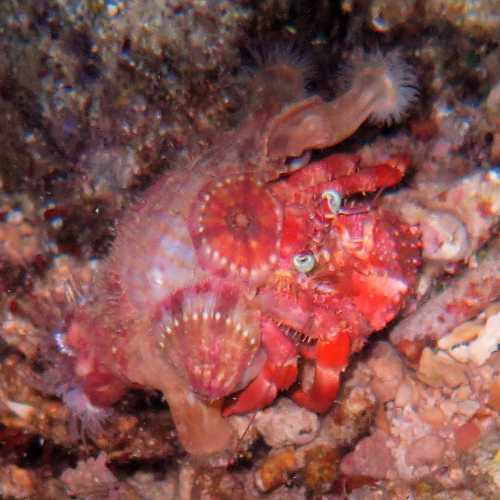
387, 81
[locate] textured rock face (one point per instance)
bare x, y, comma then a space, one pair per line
286, 424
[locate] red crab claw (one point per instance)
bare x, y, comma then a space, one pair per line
339, 175
365, 180
279, 372
301, 186
331, 357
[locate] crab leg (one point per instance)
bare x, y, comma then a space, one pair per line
279, 372
370, 179
320, 172
340, 174
331, 358
365, 180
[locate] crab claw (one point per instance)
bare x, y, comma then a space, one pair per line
263, 389
331, 359
365, 180
279, 372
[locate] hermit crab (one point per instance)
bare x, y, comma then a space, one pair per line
233, 268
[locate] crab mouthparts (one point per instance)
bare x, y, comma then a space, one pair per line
296, 335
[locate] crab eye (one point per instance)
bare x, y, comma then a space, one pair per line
298, 161
304, 262
334, 200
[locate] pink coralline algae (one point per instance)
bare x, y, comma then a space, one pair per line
232, 266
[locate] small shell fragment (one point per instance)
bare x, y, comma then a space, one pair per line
474, 340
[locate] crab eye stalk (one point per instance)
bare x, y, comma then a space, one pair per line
304, 262
333, 199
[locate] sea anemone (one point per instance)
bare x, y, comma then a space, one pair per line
385, 85
87, 419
